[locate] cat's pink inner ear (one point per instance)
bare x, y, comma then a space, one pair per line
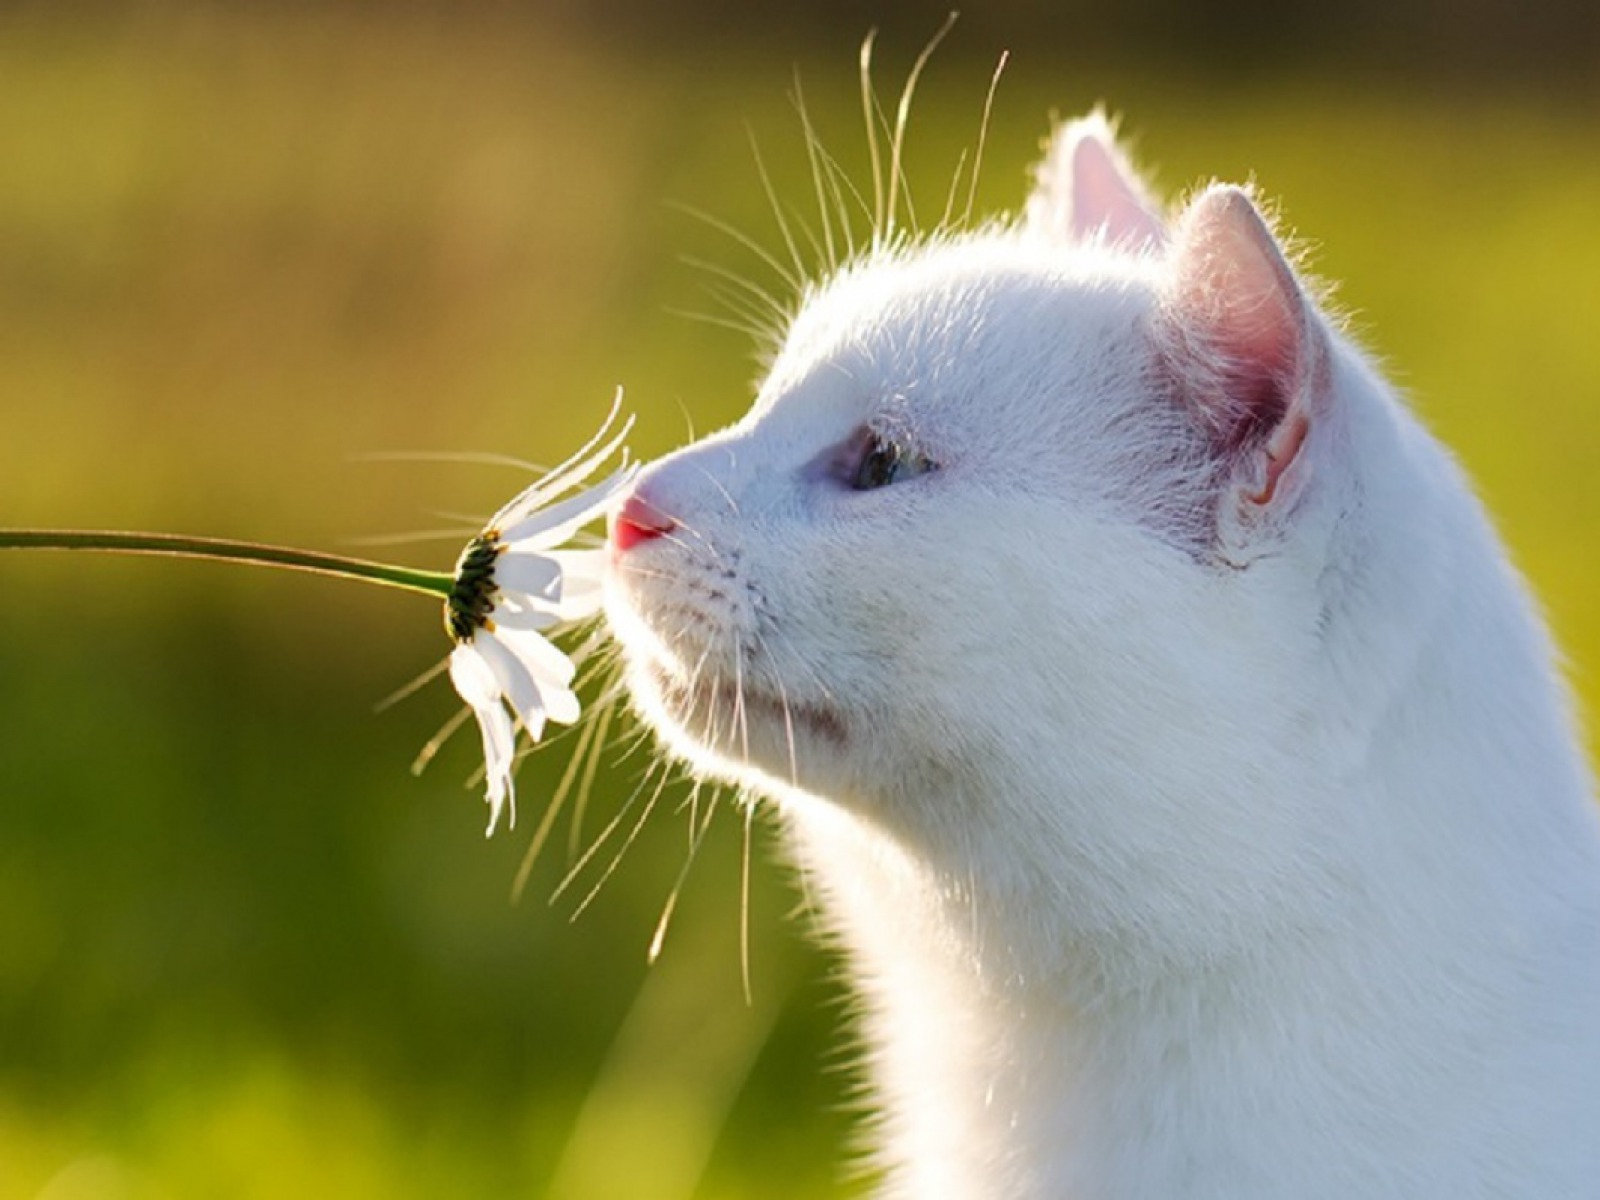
1106, 196
1251, 345
1087, 189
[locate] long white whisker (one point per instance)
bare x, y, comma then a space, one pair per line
777, 208
831, 250
413, 687
541, 834
755, 333
768, 302
762, 327
795, 282
869, 105
610, 828
950, 196
744, 907
788, 733
675, 536
983, 135
622, 850
739, 305
477, 458
733, 505
740, 716
843, 188
696, 841
902, 116
580, 809
433, 744
778, 639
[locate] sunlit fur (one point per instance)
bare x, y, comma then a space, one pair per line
1197, 804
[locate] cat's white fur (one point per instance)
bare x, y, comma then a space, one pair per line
1180, 762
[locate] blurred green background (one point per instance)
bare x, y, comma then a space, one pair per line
242, 951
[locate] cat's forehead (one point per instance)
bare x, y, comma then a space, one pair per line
940, 328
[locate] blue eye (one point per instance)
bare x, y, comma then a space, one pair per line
885, 461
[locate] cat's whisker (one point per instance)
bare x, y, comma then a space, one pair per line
553, 807
473, 458
754, 332
697, 839
622, 850
604, 836
950, 196
795, 283
581, 768
412, 688
841, 188
777, 210
722, 490
783, 642
692, 803
762, 330
688, 420
740, 308
473, 521
433, 745
869, 111
741, 715
703, 544
769, 303
744, 903
746, 301
638, 572
788, 732
831, 254
901, 119
983, 136
698, 693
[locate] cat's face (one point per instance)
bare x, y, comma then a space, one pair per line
974, 506
851, 559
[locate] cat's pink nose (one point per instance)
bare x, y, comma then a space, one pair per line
638, 521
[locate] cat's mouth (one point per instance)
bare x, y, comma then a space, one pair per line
741, 717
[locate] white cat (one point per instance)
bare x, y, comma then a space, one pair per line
1154, 713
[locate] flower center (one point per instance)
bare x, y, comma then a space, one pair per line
471, 599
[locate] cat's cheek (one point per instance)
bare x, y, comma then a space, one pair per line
723, 727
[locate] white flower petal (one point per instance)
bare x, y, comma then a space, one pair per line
577, 593
473, 679
523, 612
547, 527
529, 573
582, 565
499, 759
568, 475
561, 704
517, 683
475, 682
544, 661
582, 582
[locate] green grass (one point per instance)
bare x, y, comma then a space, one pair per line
242, 952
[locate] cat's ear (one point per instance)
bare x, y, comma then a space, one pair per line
1086, 188
1250, 352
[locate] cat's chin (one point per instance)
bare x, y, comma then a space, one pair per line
733, 726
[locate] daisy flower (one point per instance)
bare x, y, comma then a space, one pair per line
514, 583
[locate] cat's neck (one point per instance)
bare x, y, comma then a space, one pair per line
1344, 1058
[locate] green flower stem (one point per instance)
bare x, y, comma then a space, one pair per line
432, 583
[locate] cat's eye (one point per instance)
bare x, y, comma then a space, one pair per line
884, 460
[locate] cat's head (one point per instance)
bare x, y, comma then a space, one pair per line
1029, 498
